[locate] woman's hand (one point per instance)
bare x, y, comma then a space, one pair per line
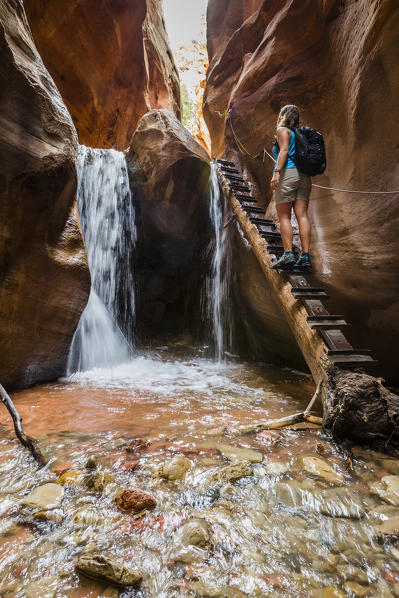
275, 182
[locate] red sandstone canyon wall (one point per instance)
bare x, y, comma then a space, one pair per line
337, 60
110, 60
44, 277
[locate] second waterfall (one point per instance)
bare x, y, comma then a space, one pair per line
105, 333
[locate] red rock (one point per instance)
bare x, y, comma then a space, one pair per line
258, 64
268, 437
137, 445
391, 576
45, 280
58, 470
110, 60
128, 466
134, 500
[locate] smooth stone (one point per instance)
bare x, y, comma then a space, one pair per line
354, 588
71, 477
174, 469
41, 588
232, 473
98, 566
44, 498
276, 468
390, 527
98, 481
87, 517
134, 500
268, 437
110, 592
193, 533
328, 593
204, 590
390, 465
54, 516
234, 453
322, 469
62, 467
92, 463
387, 489
341, 503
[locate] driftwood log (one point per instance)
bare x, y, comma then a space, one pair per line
356, 406
30, 443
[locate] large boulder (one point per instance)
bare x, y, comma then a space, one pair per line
110, 60
44, 278
337, 60
169, 174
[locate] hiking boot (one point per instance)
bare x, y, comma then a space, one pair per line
286, 261
304, 262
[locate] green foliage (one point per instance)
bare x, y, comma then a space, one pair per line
188, 108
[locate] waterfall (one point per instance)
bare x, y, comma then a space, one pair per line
104, 336
217, 288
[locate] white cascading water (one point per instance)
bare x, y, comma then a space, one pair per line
104, 336
217, 291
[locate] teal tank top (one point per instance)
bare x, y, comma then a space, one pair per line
291, 152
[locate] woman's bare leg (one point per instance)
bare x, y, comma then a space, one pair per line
301, 213
284, 216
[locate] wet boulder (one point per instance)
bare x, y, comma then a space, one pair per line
174, 469
169, 174
48, 496
108, 569
234, 472
98, 481
44, 277
134, 500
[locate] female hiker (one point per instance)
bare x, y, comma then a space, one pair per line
291, 190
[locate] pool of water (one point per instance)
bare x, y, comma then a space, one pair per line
298, 522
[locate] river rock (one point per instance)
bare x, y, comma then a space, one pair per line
61, 468
388, 528
54, 516
268, 437
390, 465
134, 500
110, 592
234, 453
387, 489
72, 478
174, 469
341, 503
107, 105
99, 480
136, 445
87, 517
276, 467
106, 568
234, 472
92, 463
44, 498
44, 276
322, 469
355, 589
193, 533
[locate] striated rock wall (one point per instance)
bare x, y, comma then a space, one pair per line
337, 60
110, 60
169, 173
44, 279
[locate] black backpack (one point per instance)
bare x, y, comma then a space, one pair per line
310, 151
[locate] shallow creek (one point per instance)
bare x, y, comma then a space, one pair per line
280, 516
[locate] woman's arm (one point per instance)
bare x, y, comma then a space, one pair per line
283, 140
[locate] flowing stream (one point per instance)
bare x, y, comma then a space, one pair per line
105, 333
217, 289
244, 515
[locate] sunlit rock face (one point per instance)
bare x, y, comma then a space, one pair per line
169, 173
44, 279
338, 62
110, 60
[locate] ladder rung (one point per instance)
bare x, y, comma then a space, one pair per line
237, 187
229, 170
225, 162
236, 179
270, 235
352, 360
256, 220
348, 351
245, 197
253, 209
308, 293
326, 322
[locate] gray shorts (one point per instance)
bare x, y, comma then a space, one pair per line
293, 185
